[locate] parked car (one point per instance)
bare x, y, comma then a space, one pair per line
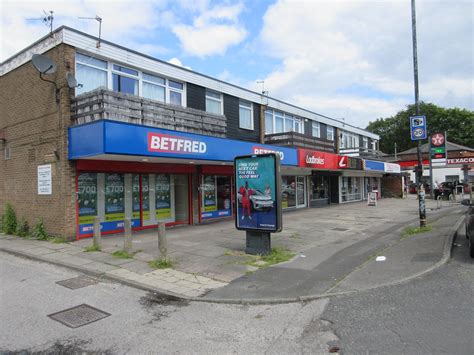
445, 191
258, 200
469, 221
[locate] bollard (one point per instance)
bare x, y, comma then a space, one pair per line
162, 242
97, 243
127, 237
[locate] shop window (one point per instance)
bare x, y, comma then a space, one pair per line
91, 73
330, 133
213, 102
319, 187
288, 191
87, 198
245, 115
215, 196
316, 129
351, 188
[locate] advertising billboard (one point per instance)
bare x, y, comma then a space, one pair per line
258, 190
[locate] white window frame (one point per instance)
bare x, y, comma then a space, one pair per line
106, 70
244, 105
285, 117
7, 154
169, 89
131, 76
219, 100
316, 126
365, 143
330, 129
143, 80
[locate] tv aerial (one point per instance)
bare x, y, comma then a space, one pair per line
99, 20
46, 19
46, 66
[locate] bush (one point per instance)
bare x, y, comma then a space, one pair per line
9, 220
39, 232
22, 228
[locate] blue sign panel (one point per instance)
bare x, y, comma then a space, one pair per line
372, 165
418, 128
110, 137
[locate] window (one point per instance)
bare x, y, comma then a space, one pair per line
7, 153
316, 129
330, 133
279, 122
349, 140
90, 72
245, 115
154, 87
365, 143
213, 102
125, 80
175, 93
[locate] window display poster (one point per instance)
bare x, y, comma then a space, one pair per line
114, 197
258, 187
163, 196
87, 197
209, 193
135, 196
145, 197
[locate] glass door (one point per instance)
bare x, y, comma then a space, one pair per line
300, 192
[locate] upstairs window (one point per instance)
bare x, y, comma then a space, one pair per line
245, 115
125, 80
213, 102
330, 133
175, 93
154, 87
90, 72
316, 127
279, 122
365, 142
268, 122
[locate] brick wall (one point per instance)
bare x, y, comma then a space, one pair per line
392, 186
35, 127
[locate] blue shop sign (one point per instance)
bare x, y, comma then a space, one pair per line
372, 165
110, 137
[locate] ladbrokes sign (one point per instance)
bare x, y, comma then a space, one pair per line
317, 160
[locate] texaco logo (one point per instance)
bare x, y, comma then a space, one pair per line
437, 139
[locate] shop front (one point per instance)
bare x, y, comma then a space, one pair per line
293, 189
150, 175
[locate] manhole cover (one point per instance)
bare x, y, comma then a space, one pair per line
78, 282
340, 229
78, 316
425, 257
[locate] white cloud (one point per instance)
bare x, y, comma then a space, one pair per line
212, 32
177, 62
354, 59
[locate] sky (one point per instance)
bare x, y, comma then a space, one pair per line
350, 60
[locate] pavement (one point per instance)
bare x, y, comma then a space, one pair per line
335, 249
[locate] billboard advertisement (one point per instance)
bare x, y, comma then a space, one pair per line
257, 185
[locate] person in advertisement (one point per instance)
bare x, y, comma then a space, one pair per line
245, 192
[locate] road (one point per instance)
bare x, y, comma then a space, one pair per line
433, 314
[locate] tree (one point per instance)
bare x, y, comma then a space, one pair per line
458, 123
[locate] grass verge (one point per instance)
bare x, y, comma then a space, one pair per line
121, 254
409, 231
278, 255
162, 263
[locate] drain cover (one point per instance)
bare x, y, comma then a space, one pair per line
340, 229
78, 282
425, 257
78, 316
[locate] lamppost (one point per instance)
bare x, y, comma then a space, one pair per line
419, 170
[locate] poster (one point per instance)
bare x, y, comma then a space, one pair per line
87, 197
135, 196
44, 180
258, 186
162, 196
208, 192
114, 197
146, 197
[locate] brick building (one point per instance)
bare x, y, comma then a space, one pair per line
96, 143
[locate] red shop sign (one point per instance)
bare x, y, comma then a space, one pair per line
317, 160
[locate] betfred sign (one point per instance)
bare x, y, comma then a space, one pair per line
167, 143
317, 160
264, 150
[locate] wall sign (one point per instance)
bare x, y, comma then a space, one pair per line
258, 190
391, 168
346, 162
469, 160
45, 180
372, 165
317, 160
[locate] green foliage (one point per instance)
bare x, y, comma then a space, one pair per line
9, 220
22, 228
408, 231
39, 232
277, 255
162, 263
59, 240
458, 123
92, 248
121, 254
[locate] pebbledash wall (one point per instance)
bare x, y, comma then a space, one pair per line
87, 141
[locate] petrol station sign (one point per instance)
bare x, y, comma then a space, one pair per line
438, 149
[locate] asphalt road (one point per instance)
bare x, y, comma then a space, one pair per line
430, 315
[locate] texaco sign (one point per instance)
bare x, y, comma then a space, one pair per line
456, 161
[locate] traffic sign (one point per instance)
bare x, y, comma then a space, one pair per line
418, 127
